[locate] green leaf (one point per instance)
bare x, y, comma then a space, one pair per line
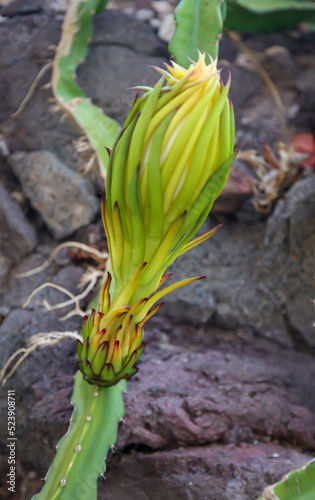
255, 16
77, 30
297, 485
199, 27
273, 5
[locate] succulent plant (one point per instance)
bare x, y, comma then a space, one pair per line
167, 167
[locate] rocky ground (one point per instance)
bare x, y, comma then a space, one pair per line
224, 401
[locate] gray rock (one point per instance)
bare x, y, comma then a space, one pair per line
62, 197
305, 80
127, 62
17, 235
254, 288
280, 64
192, 304
300, 208
16, 7
259, 280
290, 239
235, 293
292, 223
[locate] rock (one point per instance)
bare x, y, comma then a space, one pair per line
199, 473
17, 235
280, 65
193, 304
247, 213
228, 50
193, 409
144, 14
292, 223
259, 282
113, 27
162, 7
305, 118
290, 232
300, 209
122, 49
129, 48
17, 291
186, 398
236, 191
305, 80
167, 28
15, 7
62, 197
232, 292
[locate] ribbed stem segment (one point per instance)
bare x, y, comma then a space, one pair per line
82, 451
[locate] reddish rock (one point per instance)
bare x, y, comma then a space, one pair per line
212, 472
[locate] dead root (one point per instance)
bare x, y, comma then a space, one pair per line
88, 281
100, 257
32, 89
274, 174
35, 342
236, 38
88, 158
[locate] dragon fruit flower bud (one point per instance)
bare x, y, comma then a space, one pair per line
167, 167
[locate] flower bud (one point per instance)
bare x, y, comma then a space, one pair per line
167, 167
112, 337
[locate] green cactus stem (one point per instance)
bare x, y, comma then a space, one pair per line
77, 31
255, 16
199, 27
297, 485
81, 452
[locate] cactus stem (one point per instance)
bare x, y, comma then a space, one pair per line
88, 433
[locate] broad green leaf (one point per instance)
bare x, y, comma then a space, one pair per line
77, 30
274, 5
255, 16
